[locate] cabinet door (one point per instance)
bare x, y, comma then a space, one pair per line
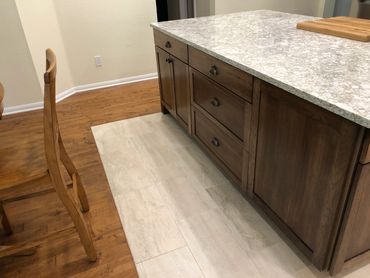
165, 79
303, 165
181, 85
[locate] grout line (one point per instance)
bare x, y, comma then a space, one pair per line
191, 252
163, 254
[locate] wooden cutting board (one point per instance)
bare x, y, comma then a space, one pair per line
341, 26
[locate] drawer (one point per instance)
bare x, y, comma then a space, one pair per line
222, 104
365, 153
225, 147
241, 83
171, 45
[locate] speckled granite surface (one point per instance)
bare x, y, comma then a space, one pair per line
331, 72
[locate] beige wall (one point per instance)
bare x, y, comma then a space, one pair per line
307, 7
17, 72
354, 8
204, 7
320, 8
42, 31
118, 30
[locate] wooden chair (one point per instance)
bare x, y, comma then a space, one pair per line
1, 100
56, 155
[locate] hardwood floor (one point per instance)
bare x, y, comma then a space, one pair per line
21, 154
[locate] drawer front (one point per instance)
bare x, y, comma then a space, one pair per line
223, 105
226, 148
237, 81
171, 45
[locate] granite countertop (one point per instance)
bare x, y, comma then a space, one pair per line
331, 72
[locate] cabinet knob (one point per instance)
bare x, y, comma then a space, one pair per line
215, 142
215, 102
168, 44
213, 70
169, 60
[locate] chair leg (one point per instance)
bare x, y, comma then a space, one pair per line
81, 193
72, 171
79, 222
5, 220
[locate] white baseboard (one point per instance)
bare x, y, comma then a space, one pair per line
78, 89
23, 108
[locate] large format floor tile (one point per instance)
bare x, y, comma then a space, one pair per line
151, 229
178, 263
182, 216
217, 247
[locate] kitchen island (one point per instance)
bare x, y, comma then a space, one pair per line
285, 113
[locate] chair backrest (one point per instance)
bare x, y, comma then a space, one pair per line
1, 100
51, 127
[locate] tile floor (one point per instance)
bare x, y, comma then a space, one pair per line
182, 217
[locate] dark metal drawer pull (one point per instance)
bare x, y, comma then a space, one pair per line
169, 60
215, 142
215, 102
213, 70
168, 44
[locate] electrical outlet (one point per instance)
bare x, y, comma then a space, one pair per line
98, 61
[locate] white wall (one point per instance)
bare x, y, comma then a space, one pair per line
17, 72
118, 30
42, 31
306, 7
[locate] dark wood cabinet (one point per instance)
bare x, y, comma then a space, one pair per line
223, 105
225, 147
174, 86
171, 45
305, 167
221, 124
237, 81
165, 79
181, 88
353, 245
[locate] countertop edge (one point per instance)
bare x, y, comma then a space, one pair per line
306, 96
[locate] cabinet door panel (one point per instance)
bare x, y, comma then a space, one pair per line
360, 237
165, 78
182, 95
353, 245
303, 158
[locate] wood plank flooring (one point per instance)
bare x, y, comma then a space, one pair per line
21, 154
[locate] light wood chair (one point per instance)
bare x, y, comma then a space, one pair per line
1, 100
56, 156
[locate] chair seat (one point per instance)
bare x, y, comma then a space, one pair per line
16, 154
